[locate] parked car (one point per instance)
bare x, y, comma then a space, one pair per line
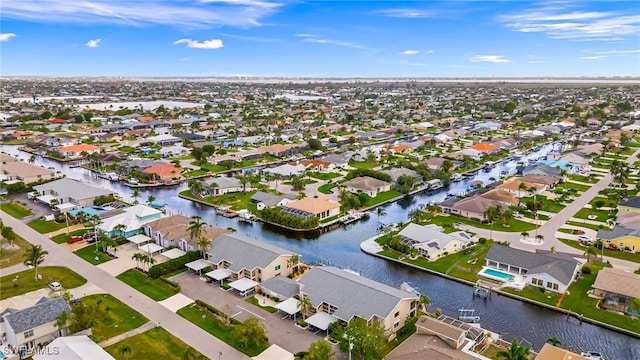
88, 235
517, 215
584, 238
74, 239
55, 286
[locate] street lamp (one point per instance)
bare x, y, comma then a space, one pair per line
350, 344
219, 355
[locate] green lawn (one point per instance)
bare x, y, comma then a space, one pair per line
59, 239
26, 280
324, 176
326, 188
584, 179
156, 343
12, 255
254, 301
382, 197
16, 209
607, 252
577, 187
235, 201
42, 226
514, 226
601, 215
210, 323
112, 317
459, 264
365, 165
549, 205
154, 288
89, 253
607, 203
586, 225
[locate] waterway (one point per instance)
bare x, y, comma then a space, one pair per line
511, 318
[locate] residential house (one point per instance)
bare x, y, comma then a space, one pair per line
164, 140
75, 151
244, 257
505, 198
321, 207
173, 231
69, 191
553, 271
286, 170
632, 204
368, 185
357, 297
395, 173
486, 148
542, 169
14, 170
486, 127
549, 182
164, 172
29, 327
79, 347
265, 200
432, 242
317, 165
130, 221
281, 287
550, 352
435, 164
339, 160
515, 186
617, 288
222, 185
471, 207
622, 237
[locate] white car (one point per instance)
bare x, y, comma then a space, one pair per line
55, 286
584, 238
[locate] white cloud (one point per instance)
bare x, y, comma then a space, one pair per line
6, 36
319, 40
93, 43
192, 14
207, 44
619, 52
410, 52
496, 59
407, 13
592, 57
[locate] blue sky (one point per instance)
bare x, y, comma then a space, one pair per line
319, 38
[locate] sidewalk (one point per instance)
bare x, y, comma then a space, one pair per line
139, 330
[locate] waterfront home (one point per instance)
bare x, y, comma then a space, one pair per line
69, 193
339, 160
632, 204
29, 327
432, 242
317, 165
395, 173
173, 231
321, 207
75, 151
548, 182
281, 287
553, 271
264, 200
514, 186
550, 352
163, 172
435, 339
435, 163
129, 221
237, 256
504, 197
285, 170
617, 288
368, 185
222, 185
339, 296
164, 140
541, 169
471, 207
14, 170
79, 347
622, 237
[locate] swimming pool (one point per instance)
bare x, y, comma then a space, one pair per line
89, 210
496, 274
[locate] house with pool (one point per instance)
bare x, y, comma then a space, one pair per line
518, 268
129, 221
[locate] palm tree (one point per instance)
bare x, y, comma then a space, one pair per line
506, 217
34, 256
137, 257
425, 301
305, 305
204, 244
151, 199
196, 187
590, 252
515, 352
293, 262
124, 351
380, 211
540, 237
634, 306
491, 213
244, 180
62, 322
521, 187
524, 234
136, 195
554, 341
196, 226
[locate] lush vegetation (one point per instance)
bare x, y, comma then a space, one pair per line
89, 254
24, 282
173, 265
156, 343
106, 315
43, 226
16, 209
514, 225
275, 215
371, 173
254, 301
11, 254
157, 289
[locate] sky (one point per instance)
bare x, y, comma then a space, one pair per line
291, 38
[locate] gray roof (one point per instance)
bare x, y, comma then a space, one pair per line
268, 199
633, 201
542, 168
338, 158
395, 173
223, 182
351, 294
561, 266
618, 232
281, 285
431, 235
45, 311
72, 188
243, 252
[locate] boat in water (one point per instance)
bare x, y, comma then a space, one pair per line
592, 355
407, 287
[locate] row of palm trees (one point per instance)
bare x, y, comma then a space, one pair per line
143, 261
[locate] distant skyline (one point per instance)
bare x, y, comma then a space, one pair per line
319, 38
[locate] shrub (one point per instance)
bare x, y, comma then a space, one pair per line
482, 240
586, 270
172, 265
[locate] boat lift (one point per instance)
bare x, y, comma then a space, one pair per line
467, 315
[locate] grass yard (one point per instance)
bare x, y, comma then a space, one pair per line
235, 201
12, 255
601, 215
154, 288
112, 317
326, 188
42, 226
514, 226
89, 253
254, 301
463, 264
382, 197
156, 343
208, 321
16, 209
549, 205
26, 283
324, 176
607, 252
584, 179
607, 203
587, 225
365, 165
574, 186
59, 239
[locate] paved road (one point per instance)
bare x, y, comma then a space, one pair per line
549, 229
178, 326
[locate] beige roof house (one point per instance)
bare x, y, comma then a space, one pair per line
513, 186
619, 282
25, 172
550, 352
502, 196
540, 179
367, 184
322, 207
174, 231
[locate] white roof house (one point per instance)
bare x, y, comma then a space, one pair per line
286, 170
133, 218
73, 348
432, 242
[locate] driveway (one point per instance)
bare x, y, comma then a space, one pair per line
29, 299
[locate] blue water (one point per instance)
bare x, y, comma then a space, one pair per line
498, 274
89, 210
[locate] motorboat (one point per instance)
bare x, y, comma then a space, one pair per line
592, 355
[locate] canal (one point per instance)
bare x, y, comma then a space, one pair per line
341, 247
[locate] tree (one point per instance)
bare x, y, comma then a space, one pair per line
446, 166
8, 233
314, 144
151, 199
250, 332
297, 183
521, 187
369, 340
204, 244
491, 214
515, 352
524, 234
244, 180
381, 212
305, 305
34, 256
293, 262
124, 351
61, 323
136, 195
320, 350
425, 301
506, 217
590, 252
540, 237
554, 341
634, 306
196, 226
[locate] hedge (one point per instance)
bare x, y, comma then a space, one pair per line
172, 265
21, 188
217, 312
